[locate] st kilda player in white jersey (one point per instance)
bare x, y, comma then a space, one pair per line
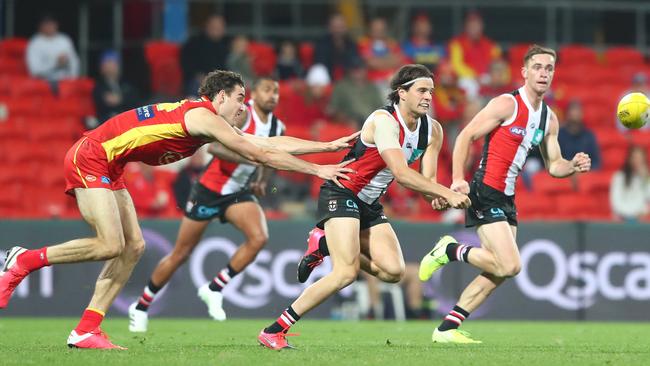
512, 124
391, 138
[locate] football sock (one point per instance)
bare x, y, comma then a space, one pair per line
223, 277
90, 320
458, 252
288, 318
147, 297
454, 319
34, 259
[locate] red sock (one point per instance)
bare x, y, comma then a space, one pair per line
90, 320
33, 259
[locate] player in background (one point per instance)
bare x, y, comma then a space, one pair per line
391, 138
156, 135
512, 125
226, 190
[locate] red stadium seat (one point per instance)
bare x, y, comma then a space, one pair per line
577, 54
13, 66
156, 51
532, 206
613, 157
548, 185
76, 88
263, 58
595, 182
611, 138
31, 88
516, 54
13, 47
623, 56
166, 77
306, 54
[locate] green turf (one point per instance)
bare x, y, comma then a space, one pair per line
30, 341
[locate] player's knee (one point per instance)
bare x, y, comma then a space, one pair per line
135, 248
258, 240
346, 275
512, 269
393, 274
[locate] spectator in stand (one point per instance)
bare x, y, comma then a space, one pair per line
471, 53
499, 80
289, 66
186, 178
420, 48
150, 197
240, 61
448, 100
112, 95
354, 97
204, 52
629, 193
381, 53
315, 98
336, 49
51, 54
639, 85
575, 137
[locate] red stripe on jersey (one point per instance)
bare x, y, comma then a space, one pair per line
502, 148
369, 164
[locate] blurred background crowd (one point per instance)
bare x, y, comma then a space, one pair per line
72, 68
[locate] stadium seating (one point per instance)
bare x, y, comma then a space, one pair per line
263, 58
574, 54
164, 67
616, 57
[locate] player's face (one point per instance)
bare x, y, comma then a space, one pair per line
233, 104
539, 72
266, 95
418, 97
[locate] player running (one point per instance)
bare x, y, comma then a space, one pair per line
512, 125
154, 134
226, 191
391, 138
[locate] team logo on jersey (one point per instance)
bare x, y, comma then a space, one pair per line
497, 212
169, 157
415, 155
518, 131
537, 137
91, 178
145, 112
106, 180
332, 205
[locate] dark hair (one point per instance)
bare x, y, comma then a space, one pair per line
259, 80
219, 80
627, 165
538, 50
405, 74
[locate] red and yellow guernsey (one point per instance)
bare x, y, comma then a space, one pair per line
154, 134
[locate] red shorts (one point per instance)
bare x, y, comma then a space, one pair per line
85, 166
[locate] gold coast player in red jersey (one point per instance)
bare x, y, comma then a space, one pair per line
154, 134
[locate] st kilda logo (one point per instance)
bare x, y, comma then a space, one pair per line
169, 157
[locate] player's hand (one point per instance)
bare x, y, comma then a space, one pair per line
439, 204
259, 188
334, 172
460, 186
458, 200
343, 143
581, 162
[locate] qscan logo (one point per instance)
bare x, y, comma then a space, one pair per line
592, 271
263, 278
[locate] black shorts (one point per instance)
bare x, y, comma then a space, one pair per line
334, 201
204, 204
489, 205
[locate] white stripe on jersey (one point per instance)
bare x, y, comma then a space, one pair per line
242, 174
378, 184
524, 148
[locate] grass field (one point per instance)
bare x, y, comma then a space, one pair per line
30, 341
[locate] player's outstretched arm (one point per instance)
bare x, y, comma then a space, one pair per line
556, 165
492, 115
429, 165
201, 122
296, 146
386, 138
223, 153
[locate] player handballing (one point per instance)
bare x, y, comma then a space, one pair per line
512, 125
154, 134
358, 232
225, 191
